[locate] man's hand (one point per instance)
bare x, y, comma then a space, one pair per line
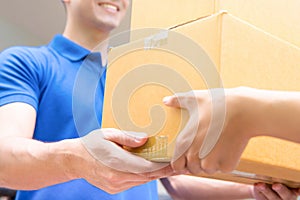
108, 166
263, 191
28, 164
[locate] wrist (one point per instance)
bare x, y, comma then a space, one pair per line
255, 111
69, 156
245, 110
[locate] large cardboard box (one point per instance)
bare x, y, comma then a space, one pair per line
243, 54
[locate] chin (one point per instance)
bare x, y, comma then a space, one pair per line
108, 26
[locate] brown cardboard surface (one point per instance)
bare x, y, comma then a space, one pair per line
244, 55
278, 17
139, 78
252, 57
152, 14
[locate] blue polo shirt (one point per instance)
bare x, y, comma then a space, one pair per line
44, 77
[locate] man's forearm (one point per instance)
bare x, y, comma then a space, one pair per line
29, 164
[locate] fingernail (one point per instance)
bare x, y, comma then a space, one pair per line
138, 136
139, 139
260, 187
166, 99
276, 187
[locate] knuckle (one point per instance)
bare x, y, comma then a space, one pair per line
177, 167
112, 178
193, 163
194, 170
149, 176
226, 167
209, 167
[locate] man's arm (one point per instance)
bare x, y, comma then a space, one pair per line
29, 164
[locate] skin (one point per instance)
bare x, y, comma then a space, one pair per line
29, 164
193, 188
273, 115
184, 187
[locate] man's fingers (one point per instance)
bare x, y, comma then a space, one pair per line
101, 144
126, 138
164, 172
114, 189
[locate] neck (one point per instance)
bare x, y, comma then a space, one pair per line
93, 40
88, 39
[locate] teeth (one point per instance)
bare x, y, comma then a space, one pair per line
111, 7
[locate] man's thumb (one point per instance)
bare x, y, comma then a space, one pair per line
126, 138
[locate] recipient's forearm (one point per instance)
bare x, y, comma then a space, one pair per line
193, 188
28, 164
273, 113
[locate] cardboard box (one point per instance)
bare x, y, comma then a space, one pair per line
243, 54
278, 17
152, 14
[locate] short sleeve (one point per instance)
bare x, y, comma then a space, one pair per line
19, 80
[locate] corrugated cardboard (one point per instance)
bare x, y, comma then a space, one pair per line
134, 92
152, 14
278, 17
244, 55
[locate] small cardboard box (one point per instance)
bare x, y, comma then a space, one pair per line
243, 54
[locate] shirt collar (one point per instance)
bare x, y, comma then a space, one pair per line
68, 48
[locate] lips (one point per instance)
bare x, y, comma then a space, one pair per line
109, 7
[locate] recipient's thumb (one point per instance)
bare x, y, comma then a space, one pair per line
126, 138
171, 101
178, 100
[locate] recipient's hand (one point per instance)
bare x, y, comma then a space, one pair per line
226, 141
109, 167
263, 191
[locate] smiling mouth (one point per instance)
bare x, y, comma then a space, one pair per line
109, 7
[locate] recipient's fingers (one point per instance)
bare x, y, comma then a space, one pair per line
179, 164
267, 191
284, 192
193, 163
182, 100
